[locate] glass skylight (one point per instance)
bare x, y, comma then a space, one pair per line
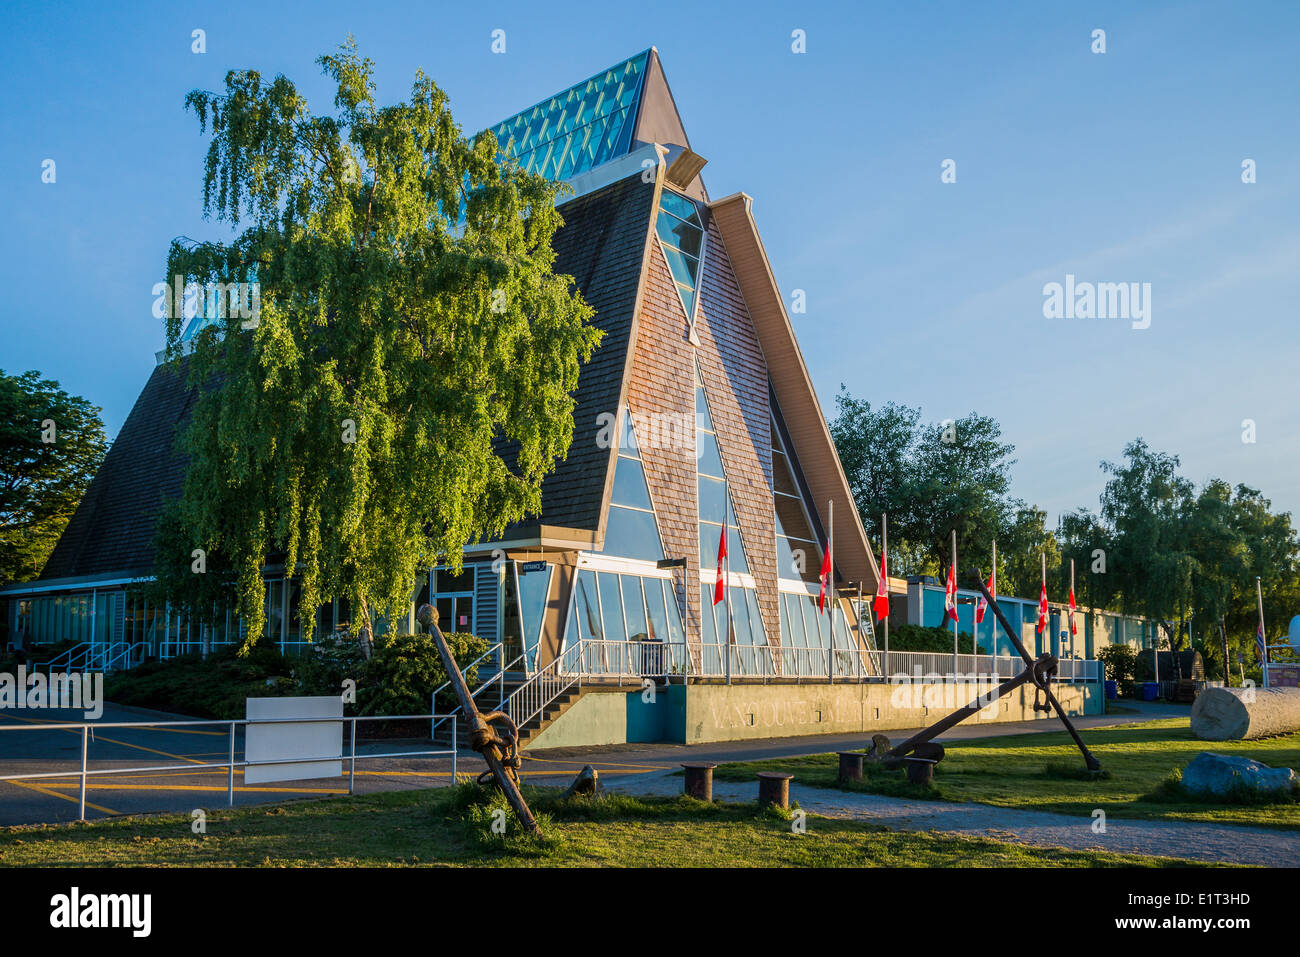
574, 131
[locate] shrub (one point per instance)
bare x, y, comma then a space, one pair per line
923, 638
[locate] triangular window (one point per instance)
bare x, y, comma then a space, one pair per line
681, 237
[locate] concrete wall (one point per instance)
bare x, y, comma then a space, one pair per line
696, 714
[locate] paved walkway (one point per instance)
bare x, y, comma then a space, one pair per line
1220, 843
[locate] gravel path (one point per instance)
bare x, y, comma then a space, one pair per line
1219, 843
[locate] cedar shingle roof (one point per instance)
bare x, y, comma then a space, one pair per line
601, 245
113, 527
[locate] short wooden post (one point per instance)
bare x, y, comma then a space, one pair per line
699, 781
850, 766
920, 770
774, 788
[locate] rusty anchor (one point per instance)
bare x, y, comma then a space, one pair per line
499, 748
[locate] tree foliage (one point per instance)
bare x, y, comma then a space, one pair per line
51, 445
408, 382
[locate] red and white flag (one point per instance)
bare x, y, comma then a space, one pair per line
1073, 628
720, 584
950, 596
825, 578
881, 604
980, 607
1041, 626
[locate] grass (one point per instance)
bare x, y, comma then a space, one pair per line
1044, 771
451, 827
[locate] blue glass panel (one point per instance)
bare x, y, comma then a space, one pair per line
713, 500
586, 607
654, 604
629, 484
633, 608
582, 127
708, 624
702, 419
632, 534
706, 448
687, 238
755, 619
675, 632
611, 607
681, 266
688, 298
680, 206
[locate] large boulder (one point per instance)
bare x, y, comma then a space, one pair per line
1238, 714
1224, 773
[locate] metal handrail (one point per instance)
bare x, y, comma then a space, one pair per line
230, 764
82, 647
547, 684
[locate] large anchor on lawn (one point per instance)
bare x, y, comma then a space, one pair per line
1039, 672
499, 748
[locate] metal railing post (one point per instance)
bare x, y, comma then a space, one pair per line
454, 749
230, 770
352, 763
85, 743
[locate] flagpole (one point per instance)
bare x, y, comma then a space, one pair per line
1071, 624
726, 580
955, 651
1047, 613
884, 552
994, 640
1263, 639
830, 591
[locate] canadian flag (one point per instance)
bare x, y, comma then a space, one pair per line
824, 578
720, 583
1041, 626
1073, 628
983, 603
881, 604
950, 596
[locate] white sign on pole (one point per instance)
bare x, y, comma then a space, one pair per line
319, 741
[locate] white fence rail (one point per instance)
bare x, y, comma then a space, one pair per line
87, 730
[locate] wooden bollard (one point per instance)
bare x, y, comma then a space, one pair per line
850, 766
920, 770
699, 781
774, 788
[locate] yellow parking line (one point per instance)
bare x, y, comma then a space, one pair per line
47, 791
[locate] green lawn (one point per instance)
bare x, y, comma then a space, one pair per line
447, 827
1044, 771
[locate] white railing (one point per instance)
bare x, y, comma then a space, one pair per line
66, 661
657, 660
546, 684
933, 665
87, 730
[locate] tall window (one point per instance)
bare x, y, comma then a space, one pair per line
798, 555
631, 530
681, 236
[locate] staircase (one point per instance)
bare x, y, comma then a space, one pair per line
535, 702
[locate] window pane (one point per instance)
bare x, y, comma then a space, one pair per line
611, 607
533, 588
679, 206
675, 632
633, 607
632, 534
654, 603
755, 619
709, 460
707, 621
629, 484
782, 477
813, 623
713, 500
740, 617
682, 235
586, 607
702, 419
790, 513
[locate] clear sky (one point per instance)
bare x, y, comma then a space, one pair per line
1117, 167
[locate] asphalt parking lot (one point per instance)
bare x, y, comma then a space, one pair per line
179, 784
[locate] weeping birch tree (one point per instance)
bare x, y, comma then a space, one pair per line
409, 327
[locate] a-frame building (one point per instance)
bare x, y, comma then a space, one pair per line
695, 413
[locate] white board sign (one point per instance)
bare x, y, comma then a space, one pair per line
319, 740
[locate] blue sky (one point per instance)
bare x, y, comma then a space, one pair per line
1115, 167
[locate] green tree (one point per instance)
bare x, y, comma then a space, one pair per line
962, 474
1024, 543
51, 445
877, 449
1146, 504
408, 381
